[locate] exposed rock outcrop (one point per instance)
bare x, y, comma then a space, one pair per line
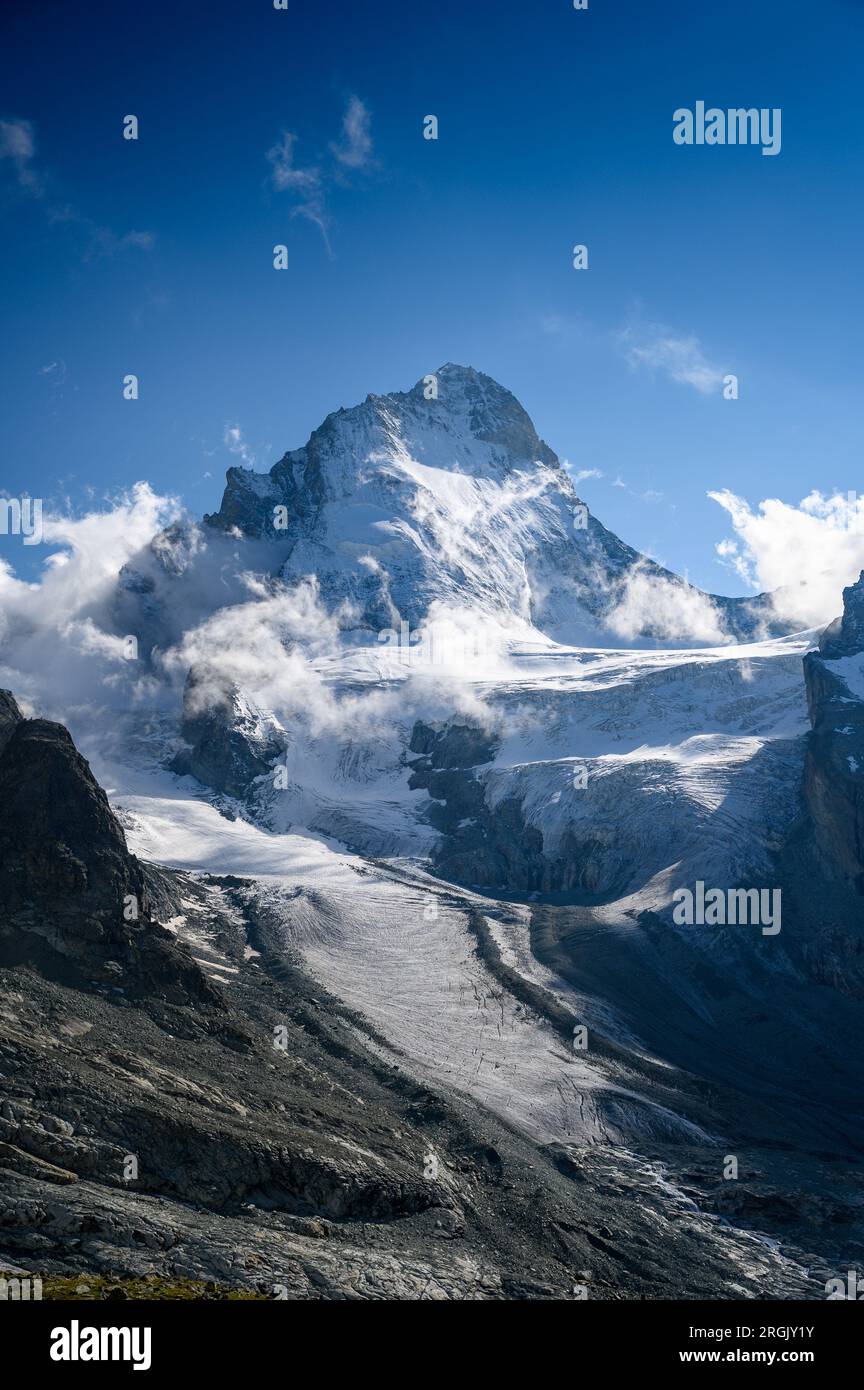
486, 844
453, 744
74, 902
834, 771
229, 741
10, 717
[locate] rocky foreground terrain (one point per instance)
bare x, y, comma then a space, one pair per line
147, 1126
274, 1142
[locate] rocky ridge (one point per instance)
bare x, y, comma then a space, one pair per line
834, 771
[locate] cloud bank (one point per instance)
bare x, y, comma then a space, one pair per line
804, 554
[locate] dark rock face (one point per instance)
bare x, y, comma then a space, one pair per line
845, 636
227, 746
834, 769
74, 902
61, 846
501, 852
452, 745
493, 848
480, 846
10, 716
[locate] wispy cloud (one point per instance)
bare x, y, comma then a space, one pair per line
672, 610
680, 357
102, 241
236, 444
286, 174
649, 494
554, 325
18, 155
305, 185
581, 475
355, 148
55, 372
18, 146
309, 184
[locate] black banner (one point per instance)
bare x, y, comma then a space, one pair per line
165, 1337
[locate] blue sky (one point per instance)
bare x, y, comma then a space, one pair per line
555, 127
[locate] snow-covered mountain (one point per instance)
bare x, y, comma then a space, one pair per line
423, 559
413, 500
415, 567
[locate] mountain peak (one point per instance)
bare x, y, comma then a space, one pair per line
445, 493
456, 420
486, 409
455, 375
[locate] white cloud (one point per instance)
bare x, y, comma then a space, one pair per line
672, 610
355, 148
236, 444
681, 357
805, 554
309, 185
58, 648
265, 646
305, 185
64, 654
18, 145
285, 173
